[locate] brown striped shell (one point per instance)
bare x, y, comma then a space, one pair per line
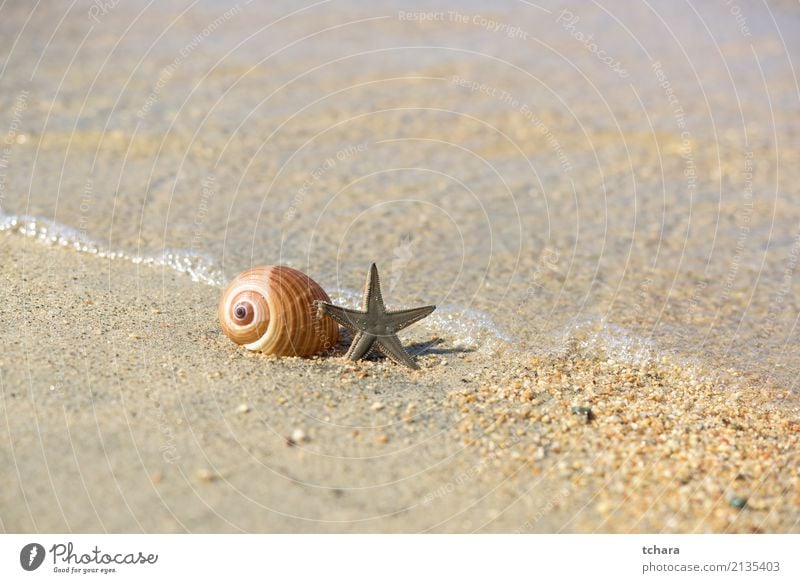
271, 309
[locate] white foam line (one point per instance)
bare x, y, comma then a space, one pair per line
462, 326
200, 269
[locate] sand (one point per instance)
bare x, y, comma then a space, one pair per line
612, 250
127, 411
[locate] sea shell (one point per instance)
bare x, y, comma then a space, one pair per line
271, 309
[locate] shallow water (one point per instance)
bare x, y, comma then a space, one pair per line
635, 191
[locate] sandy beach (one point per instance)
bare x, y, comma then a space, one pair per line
611, 240
147, 418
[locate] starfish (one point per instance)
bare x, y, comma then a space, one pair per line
374, 326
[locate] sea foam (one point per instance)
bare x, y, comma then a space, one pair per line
461, 326
198, 267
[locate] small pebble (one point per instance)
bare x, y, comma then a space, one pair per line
585, 412
206, 475
738, 502
243, 408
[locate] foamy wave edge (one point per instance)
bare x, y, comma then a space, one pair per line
464, 327
201, 269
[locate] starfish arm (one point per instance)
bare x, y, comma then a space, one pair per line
361, 346
373, 298
391, 347
353, 320
404, 318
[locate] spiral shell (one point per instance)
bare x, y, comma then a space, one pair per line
271, 309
